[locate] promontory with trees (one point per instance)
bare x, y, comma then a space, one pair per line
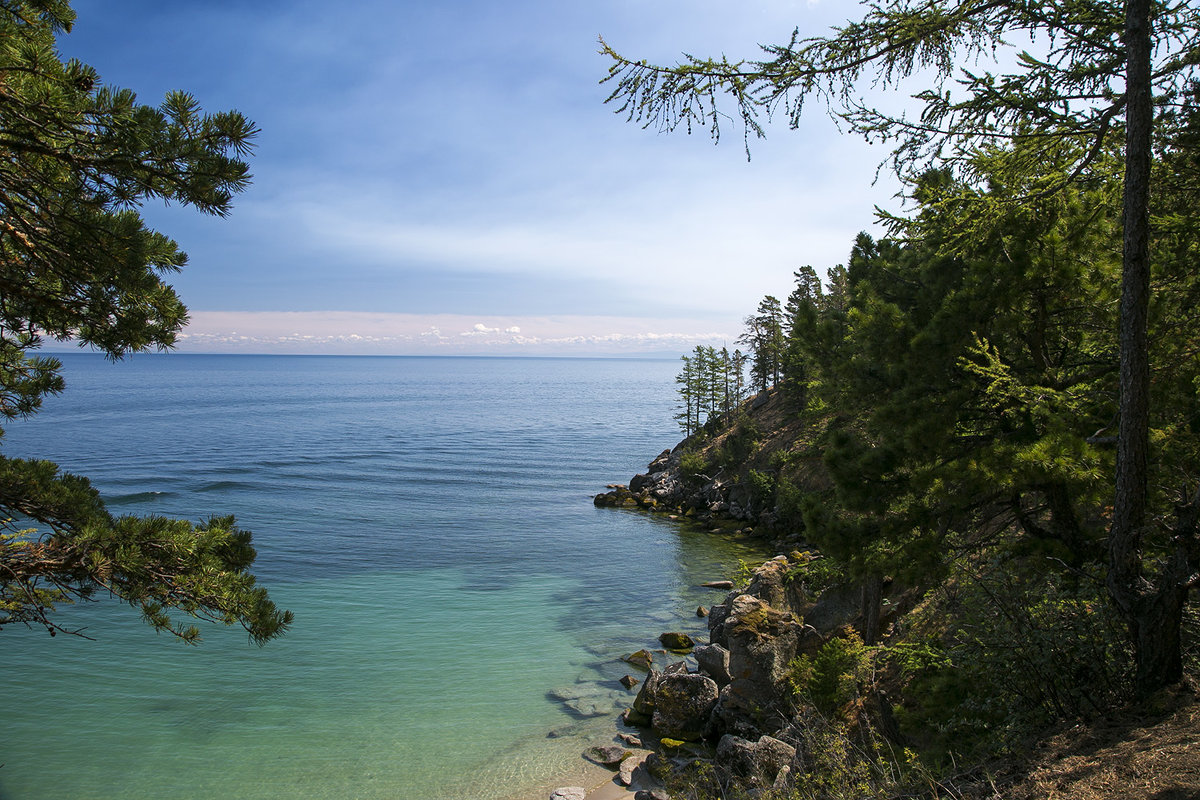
977, 442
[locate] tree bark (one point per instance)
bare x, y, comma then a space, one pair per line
1152, 612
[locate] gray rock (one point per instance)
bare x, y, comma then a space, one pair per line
630, 769
682, 705
762, 642
781, 780
773, 755
630, 739
608, 756
714, 662
677, 668
569, 793
644, 702
628, 681
758, 762
590, 706
736, 755
651, 794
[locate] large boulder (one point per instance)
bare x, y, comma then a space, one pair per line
682, 706
762, 642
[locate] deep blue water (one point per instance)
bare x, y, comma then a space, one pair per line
429, 522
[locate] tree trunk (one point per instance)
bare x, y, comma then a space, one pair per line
872, 607
1152, 612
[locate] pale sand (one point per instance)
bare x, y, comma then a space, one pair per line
610, 791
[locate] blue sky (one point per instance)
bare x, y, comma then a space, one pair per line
445, 177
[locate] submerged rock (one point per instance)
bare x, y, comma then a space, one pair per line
674, 640
607, 756
642, 658
718, 585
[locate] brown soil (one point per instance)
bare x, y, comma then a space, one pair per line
1150, 753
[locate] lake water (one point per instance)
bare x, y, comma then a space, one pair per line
429, 522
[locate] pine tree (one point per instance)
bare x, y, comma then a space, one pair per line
77, 263
1105, 70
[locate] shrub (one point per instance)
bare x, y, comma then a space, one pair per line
762, 489
691, 466
831, 680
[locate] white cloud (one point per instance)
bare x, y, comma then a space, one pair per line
416, 334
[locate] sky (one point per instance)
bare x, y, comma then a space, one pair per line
446, 178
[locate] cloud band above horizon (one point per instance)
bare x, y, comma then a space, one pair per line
345, 332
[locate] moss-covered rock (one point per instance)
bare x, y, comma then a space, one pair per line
679, 642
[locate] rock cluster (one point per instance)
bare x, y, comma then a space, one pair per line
664, 488
660, 487
736, 705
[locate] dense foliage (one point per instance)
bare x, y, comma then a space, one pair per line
77, 263
1015, 362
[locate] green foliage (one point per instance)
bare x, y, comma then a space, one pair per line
814, 574
692, 465
744, 573
741, 442
832, 679
764, 337
77, 263
789, 504
847, 763
711, 387
1048, 646
1030, 181
59, 544
1024, 648
762, 488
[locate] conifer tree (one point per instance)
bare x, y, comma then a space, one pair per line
77, 263
688, 400
1104, 68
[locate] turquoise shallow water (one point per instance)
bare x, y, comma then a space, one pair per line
428, 520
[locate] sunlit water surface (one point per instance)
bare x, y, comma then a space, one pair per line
429, 522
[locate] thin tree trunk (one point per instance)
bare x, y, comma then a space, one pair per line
872, 607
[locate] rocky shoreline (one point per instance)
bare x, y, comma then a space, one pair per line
725, 707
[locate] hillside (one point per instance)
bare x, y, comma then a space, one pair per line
989, 679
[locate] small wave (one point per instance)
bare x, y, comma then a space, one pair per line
223, 486
136, 497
